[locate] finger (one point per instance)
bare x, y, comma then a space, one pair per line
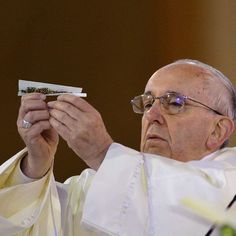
29, 105
34, 116
65, 107
61, 129
33, 96
63, 118
33, 132
79, 102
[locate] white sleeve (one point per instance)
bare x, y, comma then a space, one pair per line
23, 201
31, 207
116, 189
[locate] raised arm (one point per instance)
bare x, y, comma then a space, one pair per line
38, 135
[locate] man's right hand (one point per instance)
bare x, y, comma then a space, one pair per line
40, 139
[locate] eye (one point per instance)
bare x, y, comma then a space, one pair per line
147, 106
173, 103
176, 101
147, 102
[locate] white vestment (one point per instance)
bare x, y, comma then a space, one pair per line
132, 194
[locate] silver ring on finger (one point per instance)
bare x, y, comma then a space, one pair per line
26, 124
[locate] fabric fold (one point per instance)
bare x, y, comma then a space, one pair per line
116, 189
20, 211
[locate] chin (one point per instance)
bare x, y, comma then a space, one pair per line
156, 151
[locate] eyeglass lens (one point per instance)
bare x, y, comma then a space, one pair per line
170, 102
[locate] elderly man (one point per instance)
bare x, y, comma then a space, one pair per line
188, 113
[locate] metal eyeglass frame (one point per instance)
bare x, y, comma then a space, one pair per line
163, 99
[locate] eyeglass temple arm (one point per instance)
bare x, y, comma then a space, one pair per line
191, 99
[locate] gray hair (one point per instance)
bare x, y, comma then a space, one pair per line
226, 105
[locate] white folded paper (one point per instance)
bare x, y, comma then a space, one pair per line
48, 89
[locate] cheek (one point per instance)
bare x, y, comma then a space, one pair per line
144, 127
188, 134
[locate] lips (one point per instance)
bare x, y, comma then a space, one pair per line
154, 137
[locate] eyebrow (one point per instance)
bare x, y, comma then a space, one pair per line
168, 91
148, 92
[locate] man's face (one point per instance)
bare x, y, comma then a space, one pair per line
182, 136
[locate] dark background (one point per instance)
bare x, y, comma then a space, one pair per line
110, 48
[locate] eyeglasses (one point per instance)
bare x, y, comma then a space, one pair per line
172, 103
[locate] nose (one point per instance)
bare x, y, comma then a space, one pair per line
154, 114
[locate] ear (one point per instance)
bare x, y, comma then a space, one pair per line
221, 131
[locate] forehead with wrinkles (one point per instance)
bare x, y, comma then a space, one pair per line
188, 79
